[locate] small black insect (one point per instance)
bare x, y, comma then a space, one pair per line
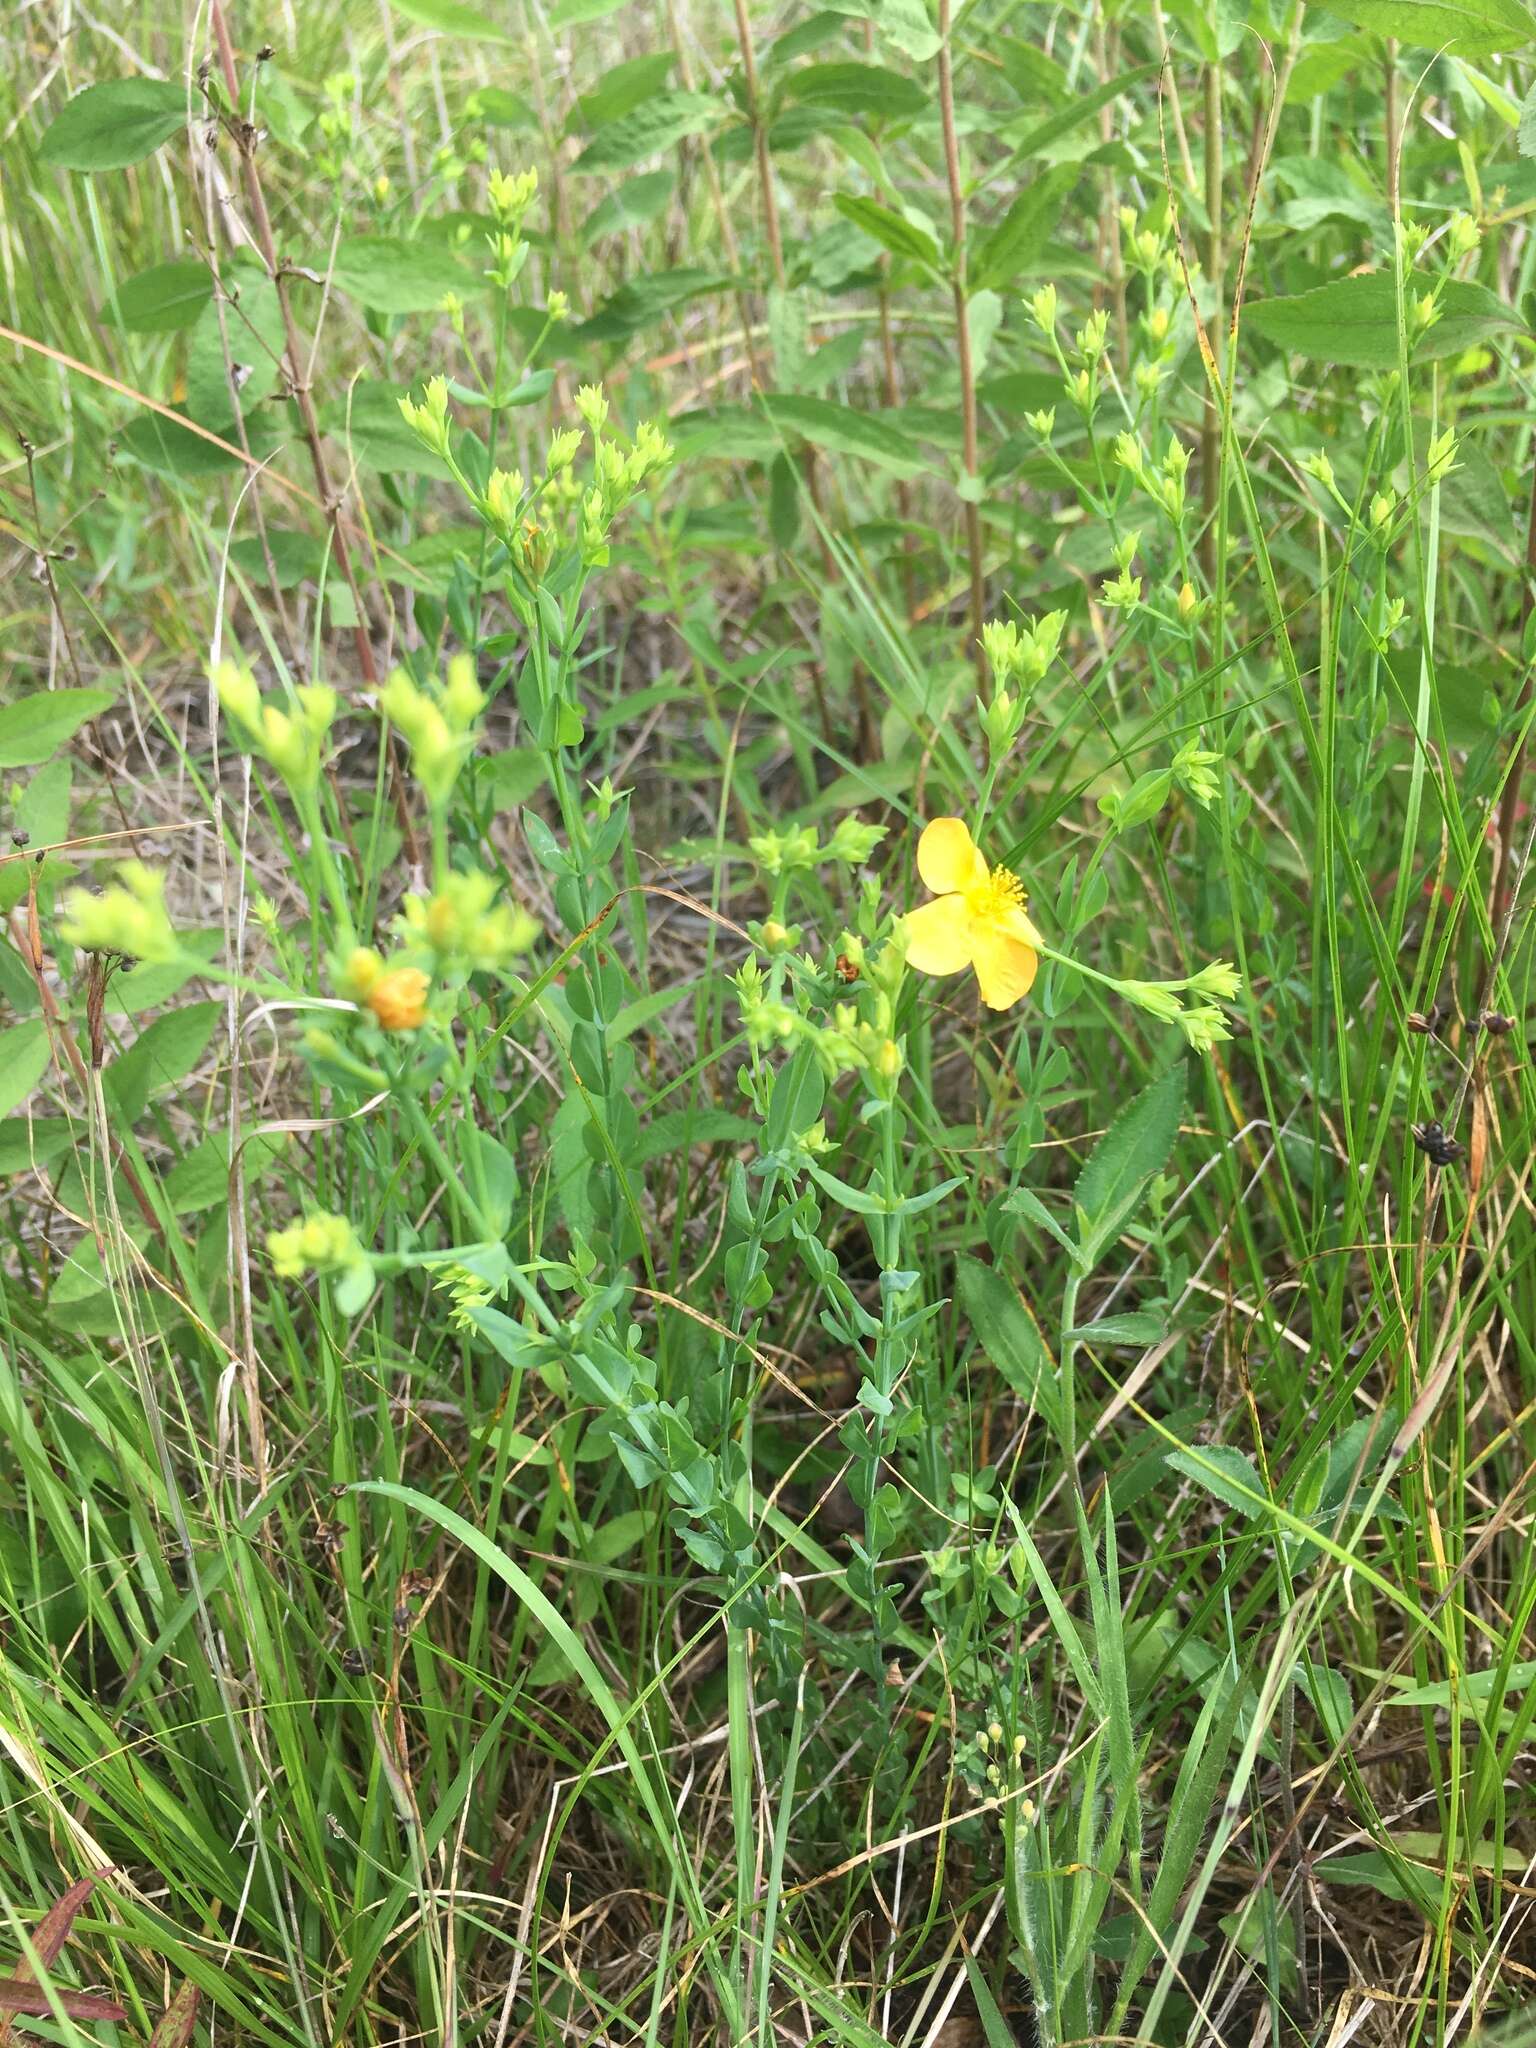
1437, 1144
355, 1662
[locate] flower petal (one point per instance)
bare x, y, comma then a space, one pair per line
947, 858
939, 936
1005, 967
1018, 924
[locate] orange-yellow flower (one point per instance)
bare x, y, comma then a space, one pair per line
399, 998
977, 918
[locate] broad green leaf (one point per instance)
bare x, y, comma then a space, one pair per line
1137, 1330
29, 1141
623, 88
160, 300
153, 982
42, 809
294, 557
845, 431
1019, 240
1131, 1151
453, 18
1525, 135
248, 321
635, 305
630, 205
1353, 321
1039, 137
1006, 1329
24, 1057
499, 108
367, 420
908, 24
1463, 26
171, 449
165, 1051
857, 89
665, 1136
33, 727
649, 129
388, 274
1226, 1472
109, 126
890, 229
513, 776
789, 335
794, 1103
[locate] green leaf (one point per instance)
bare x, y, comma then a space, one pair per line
995, 2029
1226, 1472
890, 229
1464, 26
166, 1051
161, 299
499, 108
1007, 1331
295, 557
1136, 1330
152, 983
171, 449
388, 274
29, 1141
1525, 134
1131, 1151
573, 13
637, 304
367, 421
665, 1136
24, 1057
631, 205
453, 18
1019, 240
624, 87
1037, 139
907, 24
33, 727
649, 129
1353, 321
857, 89
794, 1104
249, 322
845, 431
109, 126
42, 809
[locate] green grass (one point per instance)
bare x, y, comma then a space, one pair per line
784, 1504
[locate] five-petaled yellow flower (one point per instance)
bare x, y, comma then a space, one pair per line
977, 918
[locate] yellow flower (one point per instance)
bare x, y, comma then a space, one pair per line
399, 998
977, 918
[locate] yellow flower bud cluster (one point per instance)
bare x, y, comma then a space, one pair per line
394, 991
1165, 486
619, 473
292, 741
429, 420
128, 917
1019, 656
464, 925
437, 722
511, 194
322, 1243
